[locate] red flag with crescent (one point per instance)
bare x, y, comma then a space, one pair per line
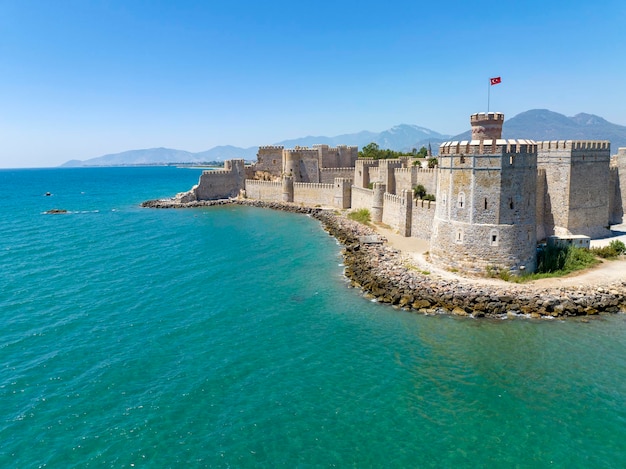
495, 80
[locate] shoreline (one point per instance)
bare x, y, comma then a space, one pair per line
391, 276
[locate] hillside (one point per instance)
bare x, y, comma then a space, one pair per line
536, 124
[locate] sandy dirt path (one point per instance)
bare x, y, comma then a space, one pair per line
605, 273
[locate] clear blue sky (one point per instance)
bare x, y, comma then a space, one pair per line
83, 78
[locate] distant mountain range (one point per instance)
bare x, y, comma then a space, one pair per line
536, 124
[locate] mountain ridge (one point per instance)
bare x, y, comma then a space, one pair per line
535, 124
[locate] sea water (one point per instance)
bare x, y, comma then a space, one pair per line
228, 337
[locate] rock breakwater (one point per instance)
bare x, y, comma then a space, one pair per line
384, 274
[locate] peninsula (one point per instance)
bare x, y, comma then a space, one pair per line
495, 199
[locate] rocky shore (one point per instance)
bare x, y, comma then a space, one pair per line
383, 274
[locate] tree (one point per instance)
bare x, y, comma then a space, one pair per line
371, 150
423, 153
432, 162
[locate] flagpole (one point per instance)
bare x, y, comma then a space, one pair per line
488, 95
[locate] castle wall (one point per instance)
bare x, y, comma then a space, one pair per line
422, 219
577, 191
314, 194
328, 175
374, 174
221, 184
362, 198
264, 190
340, 157
302, 164
392, 205
617, 192
270, 160
469, 248
486, 202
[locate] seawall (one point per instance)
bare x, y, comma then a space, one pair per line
380, 272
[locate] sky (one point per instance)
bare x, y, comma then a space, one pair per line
84, 78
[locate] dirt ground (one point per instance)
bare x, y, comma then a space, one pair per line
605, 273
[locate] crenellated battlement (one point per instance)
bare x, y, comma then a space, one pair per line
486, 116
329, 170
574, 145
497, 146
313, 185
271, 147
256, 182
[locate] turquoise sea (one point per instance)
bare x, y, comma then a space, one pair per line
228, 337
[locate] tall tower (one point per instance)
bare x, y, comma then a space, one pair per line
486, 201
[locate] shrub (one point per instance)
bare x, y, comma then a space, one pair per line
361, 215
419, 191
430, 197
618, 246
563, 260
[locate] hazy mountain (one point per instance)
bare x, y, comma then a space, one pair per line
536, 124
400, 137
153, 156
542, 124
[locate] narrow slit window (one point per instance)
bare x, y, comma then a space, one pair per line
511, 203
485, 203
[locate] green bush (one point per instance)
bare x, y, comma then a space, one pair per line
563, 260
618, 246
613, 250
419, 191
361, 215
430, 197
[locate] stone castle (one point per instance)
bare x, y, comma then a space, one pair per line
495, 198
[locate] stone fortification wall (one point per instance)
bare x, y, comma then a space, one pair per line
264, 190
374, 174
302, 164
408, 178
577, 186
328, 175
397, 211
362, 198
511, 249
392, 206
422, 219
486, 202
314, 194
617, 189
270, 160
221, 184
362, 171
341, 156
544, 217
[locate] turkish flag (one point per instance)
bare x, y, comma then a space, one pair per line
495, 80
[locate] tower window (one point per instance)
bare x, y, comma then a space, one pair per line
485, 203
461, 200
511, 159
493, 238
462, 158
459, 236
511, 203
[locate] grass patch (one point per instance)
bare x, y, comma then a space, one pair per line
615, 249
556, 261
361, 215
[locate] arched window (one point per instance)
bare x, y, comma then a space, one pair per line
485, 203
461, 200
459, 236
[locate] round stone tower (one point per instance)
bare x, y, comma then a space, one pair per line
487, 125
486, 198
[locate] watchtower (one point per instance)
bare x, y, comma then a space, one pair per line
486, 198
